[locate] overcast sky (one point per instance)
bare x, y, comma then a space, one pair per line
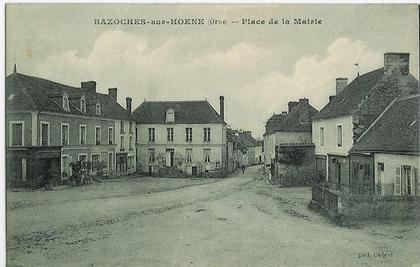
257, 68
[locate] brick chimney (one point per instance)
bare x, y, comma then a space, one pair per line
89, 86
304, 100
285, 112
303, 111
331, 97
112, 92
340, 83
397, 62
292, 104
128, 101
222, 107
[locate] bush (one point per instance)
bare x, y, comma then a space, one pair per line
297, 175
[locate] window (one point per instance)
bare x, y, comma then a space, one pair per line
170, 116
66, 106
16, 133
45, 134
151, 134
339, 135
188, 155
136, 136
207, 152
110, 135
321, 136
95, 162
98, 108
130, 127
64, 134
408, 180
83, 104
151, 155
170, 135
206, 134
98, 135
130, 142
380, 176
122, 130
82, 134
122, 143
188, 134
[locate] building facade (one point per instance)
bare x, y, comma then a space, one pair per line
50, 125
180, 138
385, 159
292, 127
354, 108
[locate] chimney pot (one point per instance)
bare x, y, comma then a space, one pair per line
89, 86
397, 62
331, 97
128, 104
222, 107
112, 92
340, 84
284, 112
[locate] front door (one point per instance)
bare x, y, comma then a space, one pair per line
170, 157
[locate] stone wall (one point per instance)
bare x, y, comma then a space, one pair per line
356, 208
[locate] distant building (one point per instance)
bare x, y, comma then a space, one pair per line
50, 125
385, 159
289, 128
179, 138
350, 113
244, 147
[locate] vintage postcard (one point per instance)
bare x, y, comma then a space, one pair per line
212, 135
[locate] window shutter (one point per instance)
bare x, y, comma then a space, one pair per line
413, 181
397, 187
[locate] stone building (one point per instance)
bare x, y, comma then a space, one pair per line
385, 159
179, 138
289, 128
50, 125
354, 108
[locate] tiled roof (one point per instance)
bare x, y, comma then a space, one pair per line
395, 131
186, 112
351, 96
291, 122
348, 100
36, 94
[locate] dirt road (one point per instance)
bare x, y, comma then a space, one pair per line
239, 221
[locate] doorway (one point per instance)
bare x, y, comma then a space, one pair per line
170, 157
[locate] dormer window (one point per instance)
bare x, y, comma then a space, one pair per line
66, 102
98, 108
170, 115
83, 104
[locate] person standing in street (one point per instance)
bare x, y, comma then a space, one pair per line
243, 169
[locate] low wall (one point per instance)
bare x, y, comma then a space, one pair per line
357, 207
346, 209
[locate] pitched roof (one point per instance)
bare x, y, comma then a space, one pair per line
348, 100
186, 112
351, 96
292, 121
395, 131
37, 94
